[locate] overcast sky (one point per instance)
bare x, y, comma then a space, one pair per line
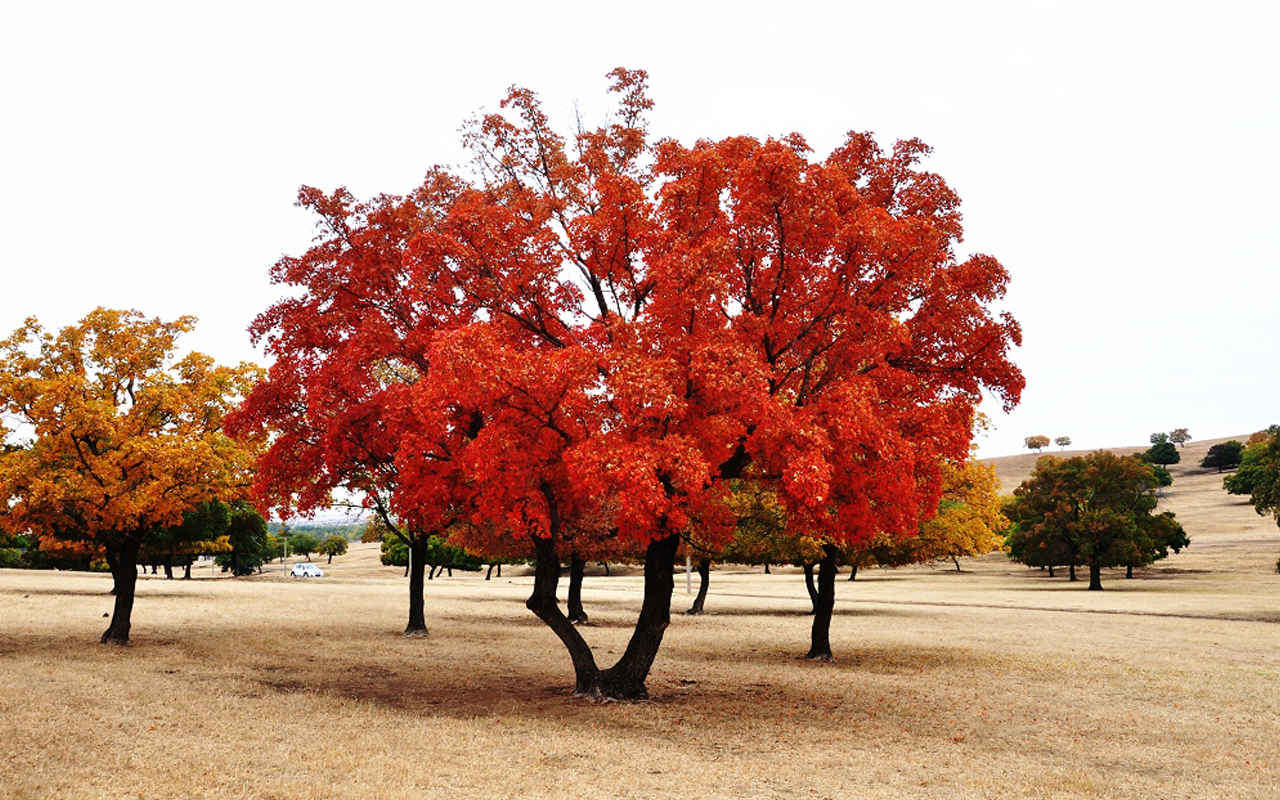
1120, 159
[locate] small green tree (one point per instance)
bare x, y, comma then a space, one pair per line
247, 532
1224, 455
332, 546
1094, 510
1159, 438
1163, 453
303, 544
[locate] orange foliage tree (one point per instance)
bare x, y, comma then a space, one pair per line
605, 324
127, 438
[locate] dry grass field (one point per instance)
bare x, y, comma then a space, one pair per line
993, 682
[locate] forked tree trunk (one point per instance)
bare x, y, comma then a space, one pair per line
824, 605
625, 679
124, 573
704, 579
417, 566
813, 592
542, 602
1095, 576
489, 573
853, 572
576, 567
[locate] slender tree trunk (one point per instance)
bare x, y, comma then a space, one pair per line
186, 571
450, 569
431, 575
813, 592
417, 565
853, 572
704, 579
1071, 572
125, 574
489, 573
168, 570
1051, 575
625, 679
766, 568
542, 602
1128, 570
1095, 576
330, 558
500, 571
956, 561
576, 567
824, 605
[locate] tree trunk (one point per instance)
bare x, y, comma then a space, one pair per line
112, 561
824, 605
431, 575
1128, 570
489, 573
1051, 575
955, 561
186, 571
853, 572
1095, 576
625, 679
168, 570
813, 592
406, 570
576, 567
1071, 572
704, 579
125, 575
604, 564
542, 602
766, 568
417, 565
330, 558
500, 571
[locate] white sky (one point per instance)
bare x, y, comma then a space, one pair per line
1120, 159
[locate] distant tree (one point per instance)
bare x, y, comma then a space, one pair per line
247, 534
1163, 478
333, 546
1159, 438
1036, 443
1224, 455
303, 544
1261, 468
1163, 453
1063, 442
1094, 510
1180, 436
373, 531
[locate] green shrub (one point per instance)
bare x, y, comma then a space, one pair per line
11, 558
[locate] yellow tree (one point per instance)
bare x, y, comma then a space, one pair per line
125, 438
969, 522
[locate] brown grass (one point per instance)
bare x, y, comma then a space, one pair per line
995, 682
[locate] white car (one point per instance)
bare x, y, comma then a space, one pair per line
307, 570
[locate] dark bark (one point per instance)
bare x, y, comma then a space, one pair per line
417, 566
406, 570
1071, 572
576, 567
824, 605
853, 571
1051, 575
625, 679
813, 592
1095, 576
168, 570
124, 573
704, 580
489, 573
330, 558
1128, 570
450, 569
500, 571
431, 575
186, 571
111, 563
542, 602
766, 568
956, 561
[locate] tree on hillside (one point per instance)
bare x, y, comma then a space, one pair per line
1063, 442
1259, 473
1180, 436
127, 437
1224, 455
332, 546
1094, 510
303, 544
1159, 438
1163, 452
1037, 443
